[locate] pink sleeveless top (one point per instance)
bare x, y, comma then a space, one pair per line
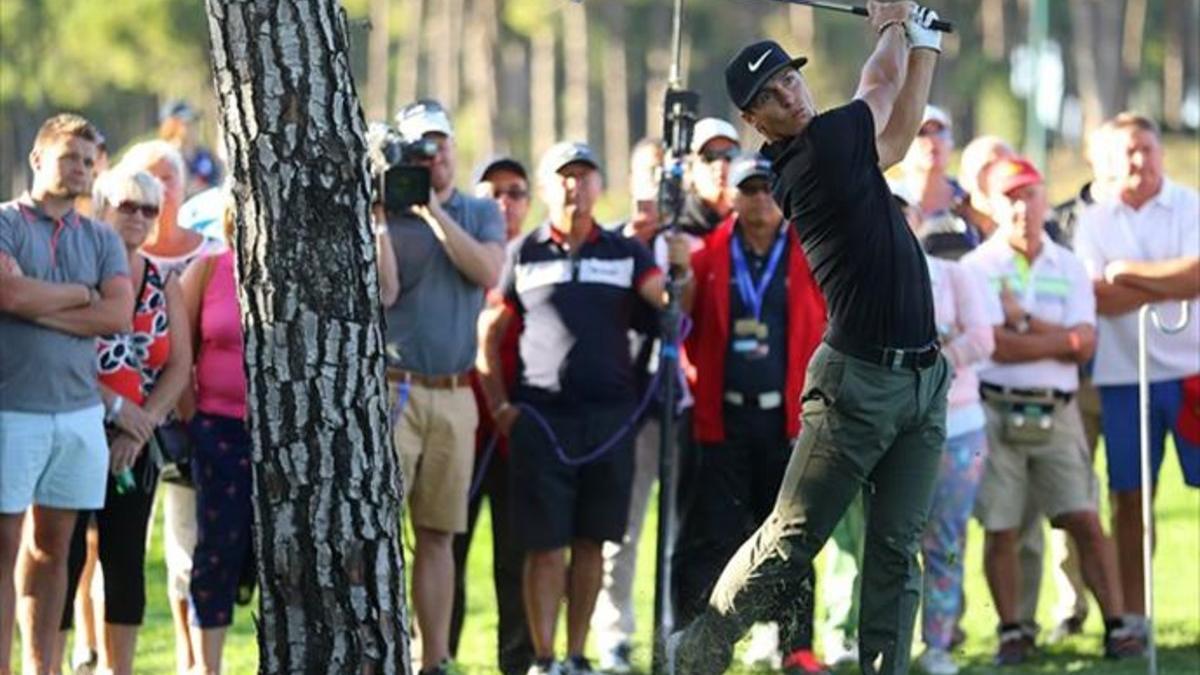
220, 377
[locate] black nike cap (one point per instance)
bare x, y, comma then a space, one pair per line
753, 67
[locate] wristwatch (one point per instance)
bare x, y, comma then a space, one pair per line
1023, 325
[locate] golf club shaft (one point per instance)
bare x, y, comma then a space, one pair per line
943, 26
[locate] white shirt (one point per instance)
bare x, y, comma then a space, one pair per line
1055, 289
1167, 226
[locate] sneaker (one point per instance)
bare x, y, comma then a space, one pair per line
84, 661
618, 660
937, 662
803, 662
545, 667
1123, 642
577, 665
841, 652
1072, 625
1015, 647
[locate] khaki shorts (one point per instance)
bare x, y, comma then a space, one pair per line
1056, 474
435, 439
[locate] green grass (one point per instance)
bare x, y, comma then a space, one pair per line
1176, 566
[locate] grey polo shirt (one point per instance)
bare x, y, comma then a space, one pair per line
44, 370
431, 327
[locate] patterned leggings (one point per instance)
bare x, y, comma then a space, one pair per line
945, 535
221, 470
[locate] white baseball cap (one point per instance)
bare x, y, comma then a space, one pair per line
710, 128
422, 117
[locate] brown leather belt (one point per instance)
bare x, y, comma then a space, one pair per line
430, 381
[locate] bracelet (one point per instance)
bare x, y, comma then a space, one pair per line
115, 410
380, 229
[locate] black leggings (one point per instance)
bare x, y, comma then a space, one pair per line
122, 524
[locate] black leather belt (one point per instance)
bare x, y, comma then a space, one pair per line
1044, 394
897, 359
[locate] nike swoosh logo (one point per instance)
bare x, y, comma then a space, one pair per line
754, 65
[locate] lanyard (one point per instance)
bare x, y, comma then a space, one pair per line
752, 296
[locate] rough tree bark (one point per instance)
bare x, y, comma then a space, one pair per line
327, 491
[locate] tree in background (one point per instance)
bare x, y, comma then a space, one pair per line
327, 490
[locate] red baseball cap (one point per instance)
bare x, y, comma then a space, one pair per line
1188, 423
1011, 173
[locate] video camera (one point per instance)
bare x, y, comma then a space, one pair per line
398, 180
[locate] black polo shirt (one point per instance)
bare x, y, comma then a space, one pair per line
755, 372
576, 308
868, 263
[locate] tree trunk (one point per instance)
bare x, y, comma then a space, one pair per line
481, 72
1135, 33
616, 99
327, 489
575, 64
378, 53
658, 67
991, 20
543, 120
1103, 83
1174, 64
408, 71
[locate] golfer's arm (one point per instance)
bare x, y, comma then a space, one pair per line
883, 75
909, 109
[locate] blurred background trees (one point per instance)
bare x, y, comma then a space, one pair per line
520, 74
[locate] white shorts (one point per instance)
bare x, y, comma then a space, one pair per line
179, 537
57, 460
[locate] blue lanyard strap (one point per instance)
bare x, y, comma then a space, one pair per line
752, 296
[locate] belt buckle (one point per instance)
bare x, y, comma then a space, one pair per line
897, 359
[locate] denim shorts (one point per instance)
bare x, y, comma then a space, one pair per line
58, 460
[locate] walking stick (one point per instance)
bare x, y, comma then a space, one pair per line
1150, 312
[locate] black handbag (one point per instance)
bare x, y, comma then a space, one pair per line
174, 447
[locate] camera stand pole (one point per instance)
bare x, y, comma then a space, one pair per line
678, 118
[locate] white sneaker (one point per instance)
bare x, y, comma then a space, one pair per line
547, 668
762, 652
841, 652
617, 659
937, 662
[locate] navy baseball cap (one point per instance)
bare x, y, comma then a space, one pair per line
561, 154
502, 163
753, 67
747, 166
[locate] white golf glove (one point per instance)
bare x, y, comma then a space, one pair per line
918, 26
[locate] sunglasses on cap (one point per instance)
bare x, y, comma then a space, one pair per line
514, 193
933, 129
130, 208
728, 154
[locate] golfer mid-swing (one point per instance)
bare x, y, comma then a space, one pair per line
874, 404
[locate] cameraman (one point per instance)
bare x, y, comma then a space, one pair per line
447, 253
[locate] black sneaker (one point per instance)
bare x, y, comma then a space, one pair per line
577, 665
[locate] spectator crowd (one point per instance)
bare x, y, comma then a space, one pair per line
523, 367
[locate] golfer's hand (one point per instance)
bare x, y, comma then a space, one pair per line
880, 14
919, 28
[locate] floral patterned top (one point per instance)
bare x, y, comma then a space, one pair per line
130, 363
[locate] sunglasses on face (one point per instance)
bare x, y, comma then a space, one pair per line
726, 155
934, 130
514, 193
130, 208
